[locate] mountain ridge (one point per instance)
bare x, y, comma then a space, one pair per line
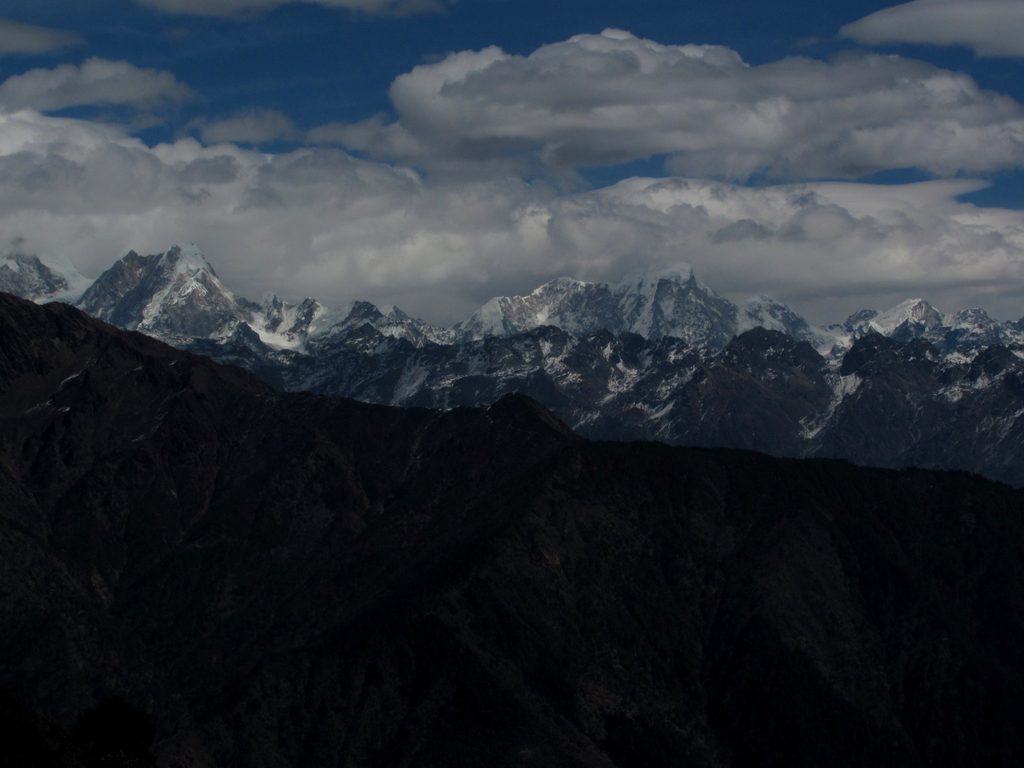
651, 304
943, 391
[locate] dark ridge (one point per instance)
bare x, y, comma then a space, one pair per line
277, 580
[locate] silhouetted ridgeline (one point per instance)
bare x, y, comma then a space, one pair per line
292, 580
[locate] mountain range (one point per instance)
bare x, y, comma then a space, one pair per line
281, 580
656, 356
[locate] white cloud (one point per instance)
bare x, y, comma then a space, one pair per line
611, 98
231, 8
989, 27
254, 126
96, 82
317, 221
16, 37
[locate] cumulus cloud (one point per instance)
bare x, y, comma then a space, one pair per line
232, 8
16, 37
612, 98
317, 221
989, 27
254, 126
96, 82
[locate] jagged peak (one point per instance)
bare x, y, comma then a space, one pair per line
915, 310
911, 310
972, 316
187, 257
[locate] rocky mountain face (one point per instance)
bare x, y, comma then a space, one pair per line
656, 357
883, 402
24, 275
293, 580
172, 294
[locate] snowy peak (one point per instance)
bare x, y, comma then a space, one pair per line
175, 293
361, 318
765, 312
965, 330
913, 317
281, 324
563, 302
972, 319
28, 277
973, 328
678, 305
652, 305
186, 258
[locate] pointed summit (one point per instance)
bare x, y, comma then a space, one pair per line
675, 303
174, 293
917, 315
187, 258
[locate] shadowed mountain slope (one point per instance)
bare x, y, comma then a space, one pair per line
293, 580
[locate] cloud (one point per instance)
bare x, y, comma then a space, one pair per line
16, 37
989, 27
96, 82
317, 221
254, 126
611, 98
234, 8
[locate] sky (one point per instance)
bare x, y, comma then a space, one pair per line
435, 153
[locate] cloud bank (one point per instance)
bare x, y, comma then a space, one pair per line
612, 98
989, 27
317, 221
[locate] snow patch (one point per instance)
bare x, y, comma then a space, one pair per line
842, 388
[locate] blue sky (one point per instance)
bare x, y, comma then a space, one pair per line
248, 124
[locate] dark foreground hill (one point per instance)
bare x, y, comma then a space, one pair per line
290, 580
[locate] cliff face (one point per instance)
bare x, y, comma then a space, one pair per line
292, 580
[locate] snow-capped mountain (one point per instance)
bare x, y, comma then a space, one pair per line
172, 294
391, 322
281, 324
964, 331
766, 312
652, 305
178, 296
28, 277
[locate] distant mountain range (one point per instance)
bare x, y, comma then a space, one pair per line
657, 356
283, 580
